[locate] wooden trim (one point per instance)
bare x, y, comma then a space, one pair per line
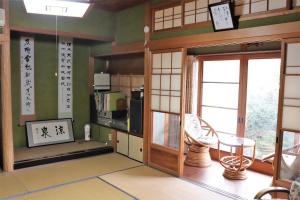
164, 148
147, 73
256, 34
6, 100
271, 13
124, 49
114, 139
61, 33
189, 84
163, 169
242, 53
182, 113
91, 75
166, 4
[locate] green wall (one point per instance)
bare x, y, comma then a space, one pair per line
46, 84
96, 23
130, 25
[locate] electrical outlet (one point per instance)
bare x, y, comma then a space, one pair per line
109, 137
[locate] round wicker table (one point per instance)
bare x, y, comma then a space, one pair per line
236, 163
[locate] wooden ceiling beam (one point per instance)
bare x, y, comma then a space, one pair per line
61, 33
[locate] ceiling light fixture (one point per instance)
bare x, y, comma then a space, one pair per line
56, 7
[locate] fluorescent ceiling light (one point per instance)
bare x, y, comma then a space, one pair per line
56, 7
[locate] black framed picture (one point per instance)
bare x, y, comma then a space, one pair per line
46, 132
222, 16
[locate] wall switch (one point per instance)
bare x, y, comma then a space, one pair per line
110, 137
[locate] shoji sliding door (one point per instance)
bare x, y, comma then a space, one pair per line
288, 136
166, 109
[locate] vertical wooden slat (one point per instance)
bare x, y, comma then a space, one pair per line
147, 68
147, 103
182, 114
91, 74
7, 132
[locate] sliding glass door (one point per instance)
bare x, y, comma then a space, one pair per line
262, 104
166, 111
238, 95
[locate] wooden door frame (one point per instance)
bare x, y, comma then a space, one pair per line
279, 135
258, 165
179, 153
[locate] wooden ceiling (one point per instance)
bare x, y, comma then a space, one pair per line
116, 5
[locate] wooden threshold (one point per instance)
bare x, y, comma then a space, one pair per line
62, 157
61, 33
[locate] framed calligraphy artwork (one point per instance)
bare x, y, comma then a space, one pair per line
222, 16
27, 75
65, 85
40, 133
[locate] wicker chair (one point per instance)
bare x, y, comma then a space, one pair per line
199, 136
293, 193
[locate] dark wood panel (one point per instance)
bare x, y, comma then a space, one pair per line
116, 5
164, 159
130, 64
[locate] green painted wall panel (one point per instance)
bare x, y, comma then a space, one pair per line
96, 23
101, 48
130, 25
46, 84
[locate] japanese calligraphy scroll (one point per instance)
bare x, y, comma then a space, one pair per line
65, 60
27, 79
41, 133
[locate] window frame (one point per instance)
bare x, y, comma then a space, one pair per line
258, 165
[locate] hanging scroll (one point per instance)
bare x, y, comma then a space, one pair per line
65, 60
27, 77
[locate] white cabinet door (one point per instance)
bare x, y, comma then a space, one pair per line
122, 143
136, 148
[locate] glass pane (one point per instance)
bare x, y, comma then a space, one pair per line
222, 120
221, 95
262, 104
290, 158
166, 129
221, 71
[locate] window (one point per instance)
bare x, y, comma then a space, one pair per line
167, 18
239, 96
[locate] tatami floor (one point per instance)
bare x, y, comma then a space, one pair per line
109, 177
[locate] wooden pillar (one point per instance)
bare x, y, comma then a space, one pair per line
147, 75
7, 132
